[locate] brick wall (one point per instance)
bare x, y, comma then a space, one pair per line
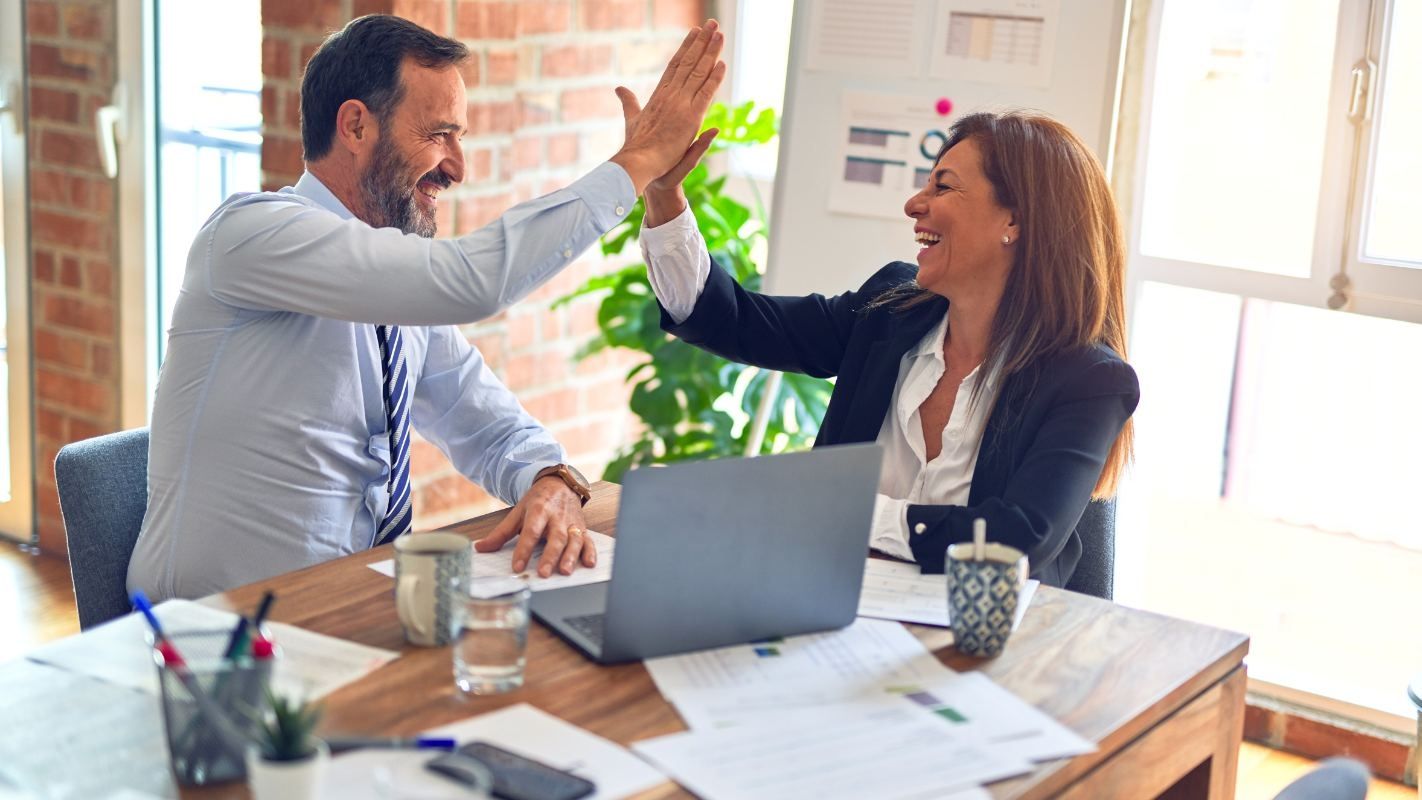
541, 112
74, 235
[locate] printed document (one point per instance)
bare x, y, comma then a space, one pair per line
896, 590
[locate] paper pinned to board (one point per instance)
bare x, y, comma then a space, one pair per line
491, 574
857, 38
888, 145
1011, 42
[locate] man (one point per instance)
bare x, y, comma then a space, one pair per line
315, 325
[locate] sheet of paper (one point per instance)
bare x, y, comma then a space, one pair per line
887, 147
309, 664
492, 573
896, 751
995, 41
715, 688
858, 38
896, 590
521, 728
69, 735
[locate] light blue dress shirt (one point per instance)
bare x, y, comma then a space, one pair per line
270, 449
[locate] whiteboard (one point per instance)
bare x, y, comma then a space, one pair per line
815, 249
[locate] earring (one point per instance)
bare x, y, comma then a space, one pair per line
1006, 239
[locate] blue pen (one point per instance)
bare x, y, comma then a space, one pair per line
140, 602
340, 744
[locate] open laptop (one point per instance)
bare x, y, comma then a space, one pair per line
722, 552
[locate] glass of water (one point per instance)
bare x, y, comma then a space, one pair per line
489, 648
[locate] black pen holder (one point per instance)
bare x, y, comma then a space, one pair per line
208, 737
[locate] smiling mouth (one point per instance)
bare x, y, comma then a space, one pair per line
430, 192
926, 239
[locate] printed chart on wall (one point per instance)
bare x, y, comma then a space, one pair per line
887, 147
854, 37
995, 41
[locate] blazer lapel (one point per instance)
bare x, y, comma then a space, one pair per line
873, 387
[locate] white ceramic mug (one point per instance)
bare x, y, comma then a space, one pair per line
428, 568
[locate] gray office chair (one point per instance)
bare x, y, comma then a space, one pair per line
1096, 571
1333, 779
103, 492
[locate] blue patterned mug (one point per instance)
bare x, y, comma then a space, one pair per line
983, 596
427, 566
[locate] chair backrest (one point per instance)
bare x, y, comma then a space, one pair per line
1333, 779
1096, 571
103, 492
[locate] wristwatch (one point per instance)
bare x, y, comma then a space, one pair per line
569, 475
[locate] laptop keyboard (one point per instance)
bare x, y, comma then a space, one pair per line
589, 625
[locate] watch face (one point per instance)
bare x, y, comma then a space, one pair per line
577, 474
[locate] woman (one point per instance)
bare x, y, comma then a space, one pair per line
992, 373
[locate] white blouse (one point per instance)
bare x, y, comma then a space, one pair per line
678, 266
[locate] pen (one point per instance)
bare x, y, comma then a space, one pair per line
340, 744
263, 608
237, 641
140, 602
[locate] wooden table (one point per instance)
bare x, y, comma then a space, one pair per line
1162, 698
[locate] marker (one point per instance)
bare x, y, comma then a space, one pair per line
263, 608
140, 602
340, 744
237, 640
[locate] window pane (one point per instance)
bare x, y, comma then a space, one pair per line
209, 123
1391, 229
4, 341
762, 51
1238, 112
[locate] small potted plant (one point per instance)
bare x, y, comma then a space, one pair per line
287, 762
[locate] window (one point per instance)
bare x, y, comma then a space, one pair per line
762, 51
16, 441
1277, 437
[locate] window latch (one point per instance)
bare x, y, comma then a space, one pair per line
1360, 95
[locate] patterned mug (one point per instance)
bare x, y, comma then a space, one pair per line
428, 568
983, 596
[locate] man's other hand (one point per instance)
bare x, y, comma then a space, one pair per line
552, 513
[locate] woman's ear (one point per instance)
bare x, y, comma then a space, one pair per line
355, 127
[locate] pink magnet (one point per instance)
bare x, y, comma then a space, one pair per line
943, 106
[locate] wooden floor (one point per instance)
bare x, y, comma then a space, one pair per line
37, 605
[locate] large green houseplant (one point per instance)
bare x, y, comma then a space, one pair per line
693, 404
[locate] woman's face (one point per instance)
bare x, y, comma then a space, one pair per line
960, 226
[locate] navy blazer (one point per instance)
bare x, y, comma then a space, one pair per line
1047, 436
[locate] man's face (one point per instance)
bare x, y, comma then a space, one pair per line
417, 154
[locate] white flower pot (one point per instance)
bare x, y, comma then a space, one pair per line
287, 780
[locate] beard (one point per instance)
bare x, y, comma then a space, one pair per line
391, 203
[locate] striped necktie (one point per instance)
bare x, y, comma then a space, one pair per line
397, 411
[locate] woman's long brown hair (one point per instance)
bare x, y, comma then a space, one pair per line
1066, 287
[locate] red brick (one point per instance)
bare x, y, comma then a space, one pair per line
44, 266
282, 155
479, 210
585, 439
598, 102
503, 67
317, 16
426, 459
680, 14
51, 424
528, 152
69, 274
48, 61
535, 17
470, 71
1315, 739
69, 149
543, 368
100, 277
609, 395
103, 360
523, 332
54, 348
554, 324
81, 429
477, 19
644, 58
478, 165
1259, 725
78, 314
66, 391
552, 407
84, 21
562, 149
308, 49
51, 227
48, 187
92, 194
276, 57
536, 108
607, 15
493, 347
271, 103
444, 493
54, 104
42, 18
430, 14
492, 117
573, 61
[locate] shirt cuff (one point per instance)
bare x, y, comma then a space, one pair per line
608, 192
677, 263
889, 533
524, 480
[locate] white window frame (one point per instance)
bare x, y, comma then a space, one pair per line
137, 184
17, 514
1376, 290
